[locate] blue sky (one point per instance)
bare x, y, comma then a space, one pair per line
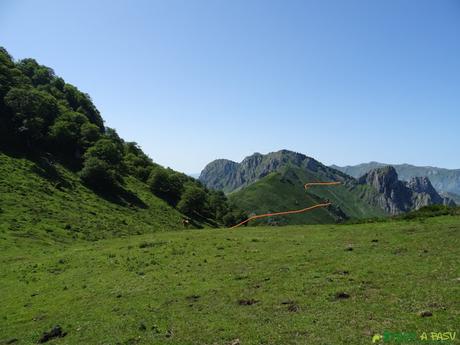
191, 81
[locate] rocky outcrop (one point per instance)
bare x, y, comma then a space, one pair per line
394, 196
219, 174
397, 196
450, 199
443, 180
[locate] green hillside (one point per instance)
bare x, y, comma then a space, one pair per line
321, 284
282, 191
99, 245
32, 203
63, 169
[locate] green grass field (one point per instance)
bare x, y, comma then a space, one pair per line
259, 285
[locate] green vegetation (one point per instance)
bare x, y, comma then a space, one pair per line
92, 239
43, 200
322, 284
420, 214
431, 211
57, 127
282, 191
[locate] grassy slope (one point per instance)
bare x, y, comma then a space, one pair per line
271, 194
184, 286
31, 204
284, 191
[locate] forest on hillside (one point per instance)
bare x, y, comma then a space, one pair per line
44, 118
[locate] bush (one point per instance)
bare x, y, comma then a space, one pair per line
31, 112
229, 220
218, 205
99, 175
65, 132
137, 162
90, 133
165, 186
192, 201
106, 150
429, 211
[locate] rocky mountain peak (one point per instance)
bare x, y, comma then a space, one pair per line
215, 172
383, 179
399, 196
257, 166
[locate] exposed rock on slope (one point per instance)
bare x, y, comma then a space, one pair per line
443, 180
454, 198
220, 174
399, 196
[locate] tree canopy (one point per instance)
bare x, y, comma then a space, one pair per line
42, 114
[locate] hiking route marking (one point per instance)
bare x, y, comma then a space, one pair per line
306, 186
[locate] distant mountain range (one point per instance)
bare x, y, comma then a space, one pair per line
274, 182
445, 181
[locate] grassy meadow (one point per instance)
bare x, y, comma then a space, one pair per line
322, 284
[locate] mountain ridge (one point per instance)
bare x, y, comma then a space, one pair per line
274, 182
255, 183
227, 175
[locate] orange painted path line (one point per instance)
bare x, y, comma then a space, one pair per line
306, 185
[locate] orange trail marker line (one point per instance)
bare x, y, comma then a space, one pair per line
306, 185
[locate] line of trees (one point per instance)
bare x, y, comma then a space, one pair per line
40, 112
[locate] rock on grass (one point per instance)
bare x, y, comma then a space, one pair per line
426, 313
56, 332
247, 301
341, 295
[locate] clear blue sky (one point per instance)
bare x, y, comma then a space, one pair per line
190, 81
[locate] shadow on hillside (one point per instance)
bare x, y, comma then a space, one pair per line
45, 166
198, 218
122, 197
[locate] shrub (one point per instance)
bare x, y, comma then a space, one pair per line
31, 111
192, 201
106, 150
99, 175
90, 133
165, 185
229, 219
